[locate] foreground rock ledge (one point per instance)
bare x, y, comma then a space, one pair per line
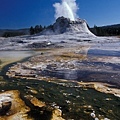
12, 107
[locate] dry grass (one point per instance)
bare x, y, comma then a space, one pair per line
69, 56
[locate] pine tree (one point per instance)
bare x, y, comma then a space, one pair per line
32, 31
37, 29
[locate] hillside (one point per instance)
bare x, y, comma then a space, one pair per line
111, 26
108, 30
24, 31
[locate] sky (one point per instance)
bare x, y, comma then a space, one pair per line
16, 14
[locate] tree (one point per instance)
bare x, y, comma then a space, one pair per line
37, 29
12, 34
40, 28
32, 31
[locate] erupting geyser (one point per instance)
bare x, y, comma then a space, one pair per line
67, 9
67, 20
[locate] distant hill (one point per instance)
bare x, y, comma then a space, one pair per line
24, 31
108, 30
111, 26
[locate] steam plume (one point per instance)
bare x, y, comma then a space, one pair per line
67, 8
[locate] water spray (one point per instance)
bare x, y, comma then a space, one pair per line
67, 8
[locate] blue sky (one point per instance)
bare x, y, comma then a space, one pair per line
16, 14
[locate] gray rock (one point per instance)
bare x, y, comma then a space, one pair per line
5, 107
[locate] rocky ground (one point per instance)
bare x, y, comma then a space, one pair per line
12, 107
68, 64
72, 76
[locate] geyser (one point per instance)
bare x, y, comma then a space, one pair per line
67, 9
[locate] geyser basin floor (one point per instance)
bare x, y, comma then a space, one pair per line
76, 100
71, 64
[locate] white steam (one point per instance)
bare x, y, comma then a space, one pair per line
67, 8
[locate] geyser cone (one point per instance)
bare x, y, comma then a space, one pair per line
65, 25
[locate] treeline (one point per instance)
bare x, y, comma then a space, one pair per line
36, 29
12, 34
32, 30
113, 30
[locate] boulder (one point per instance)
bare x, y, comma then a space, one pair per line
5, 107
5, 103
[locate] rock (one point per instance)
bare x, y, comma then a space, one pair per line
40, 44
12, 107
52, 111
57, 112
5, 107
33, 91
38, 103
93, 115
57, 115
96, 119
5, 103
106, 119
